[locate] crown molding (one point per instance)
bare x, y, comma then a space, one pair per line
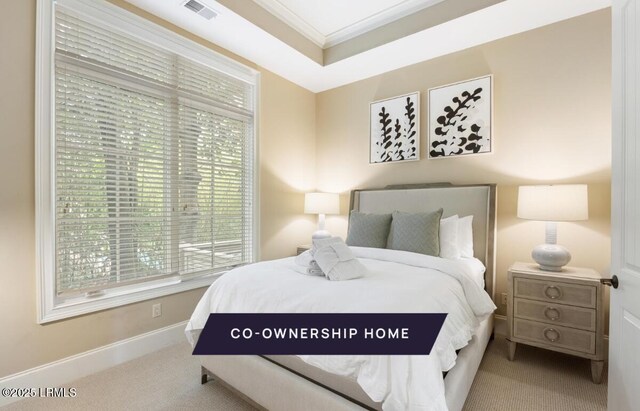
288, 17
238, 35
377, 20
356, 29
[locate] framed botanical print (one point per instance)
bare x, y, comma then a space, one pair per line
394, 129
460, 117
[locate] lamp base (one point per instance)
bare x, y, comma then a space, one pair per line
551, 257
320, 234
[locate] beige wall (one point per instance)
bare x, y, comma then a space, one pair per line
287, 165
286, 153
552, 124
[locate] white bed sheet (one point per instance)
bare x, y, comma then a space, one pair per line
476, 269
396, 281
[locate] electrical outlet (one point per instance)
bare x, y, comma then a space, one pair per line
156, 310
504, 298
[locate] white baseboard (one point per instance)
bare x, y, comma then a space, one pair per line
69, 369
500, 328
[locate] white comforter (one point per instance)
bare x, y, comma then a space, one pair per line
397, 281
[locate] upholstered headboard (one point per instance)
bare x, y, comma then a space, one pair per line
477, 200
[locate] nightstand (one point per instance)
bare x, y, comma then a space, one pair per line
558, 311
302, 248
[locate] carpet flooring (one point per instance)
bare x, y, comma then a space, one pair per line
170, 380
535, 380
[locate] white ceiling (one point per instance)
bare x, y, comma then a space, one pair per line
236, 34
329, 22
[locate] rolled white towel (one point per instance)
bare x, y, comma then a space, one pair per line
314, 269
336, 260
304, 259
308, 264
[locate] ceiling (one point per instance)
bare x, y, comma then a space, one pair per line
330, 22
256, 32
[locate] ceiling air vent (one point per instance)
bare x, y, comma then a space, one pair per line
201, 10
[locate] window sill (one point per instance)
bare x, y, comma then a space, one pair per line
119, 297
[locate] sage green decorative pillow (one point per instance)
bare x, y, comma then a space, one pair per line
415, 232
368, 230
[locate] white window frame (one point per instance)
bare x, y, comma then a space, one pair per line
99, 10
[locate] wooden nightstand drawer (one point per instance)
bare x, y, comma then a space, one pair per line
553, 291
559, 311
556, 336
565, 315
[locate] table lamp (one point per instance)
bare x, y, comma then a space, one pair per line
553, 203
321, 204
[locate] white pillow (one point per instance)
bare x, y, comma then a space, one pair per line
465, 236
449, 238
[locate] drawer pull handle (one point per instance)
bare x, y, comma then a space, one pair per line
551, 334
552, 313
553, 295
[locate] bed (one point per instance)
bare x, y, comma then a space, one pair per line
294, 383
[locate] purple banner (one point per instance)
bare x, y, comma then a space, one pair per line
319, 334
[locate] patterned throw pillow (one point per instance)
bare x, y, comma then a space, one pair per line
368, 230
415, 232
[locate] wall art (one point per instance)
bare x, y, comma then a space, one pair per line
460, 117
394, 131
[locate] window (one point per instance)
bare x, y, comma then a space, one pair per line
146, 175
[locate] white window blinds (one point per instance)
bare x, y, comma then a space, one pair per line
154, 162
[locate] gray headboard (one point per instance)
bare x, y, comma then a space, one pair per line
477, 200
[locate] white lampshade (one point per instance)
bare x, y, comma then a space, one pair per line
566, 202
321, 203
